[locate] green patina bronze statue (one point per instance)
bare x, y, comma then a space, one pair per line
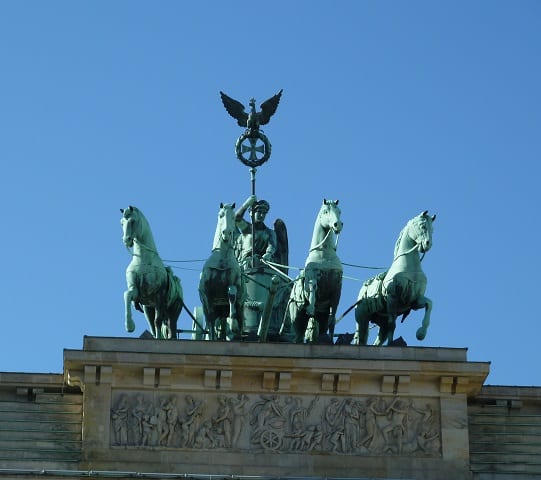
252, 141
151, 284
244, 288
221, 286
400, 289
263, 243
316, 293
257, 247
251, 120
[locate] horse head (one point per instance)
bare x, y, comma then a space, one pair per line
329, 216
130, 225
421, 230
225, 227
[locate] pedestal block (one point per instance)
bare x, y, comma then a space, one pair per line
283, 410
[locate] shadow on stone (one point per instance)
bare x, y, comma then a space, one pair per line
344, 338
398, 342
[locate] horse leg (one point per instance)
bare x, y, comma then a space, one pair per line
174, 304
312, 327
312, 287
391, 328
335, 300
221, 326
161, 327
172, 318
150, 314
208, 311
362, 320
285, 327
421, 331
232, 323
331, 322
167, 326
312, 330
299, 320
383, 332
386, 331
129, 296
239, 308
209, 327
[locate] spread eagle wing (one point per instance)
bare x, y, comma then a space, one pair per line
268, 107
281, 301
281, 255
235, 109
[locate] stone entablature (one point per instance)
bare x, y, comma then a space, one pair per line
42, 430
227, 408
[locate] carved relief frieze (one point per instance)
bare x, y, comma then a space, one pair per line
383, 425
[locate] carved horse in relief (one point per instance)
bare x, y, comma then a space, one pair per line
400, 289
221, 286
316, 293
152, 287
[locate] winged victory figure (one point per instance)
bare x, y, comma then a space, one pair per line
253, 119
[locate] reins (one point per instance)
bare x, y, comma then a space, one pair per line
142, 245
162, 259
412, 249
320, 244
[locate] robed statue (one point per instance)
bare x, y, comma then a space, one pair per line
262, 253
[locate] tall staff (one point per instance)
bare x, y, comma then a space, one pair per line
252, 147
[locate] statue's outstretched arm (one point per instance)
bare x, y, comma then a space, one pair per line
245, 206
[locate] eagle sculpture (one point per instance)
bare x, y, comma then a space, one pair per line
251, 120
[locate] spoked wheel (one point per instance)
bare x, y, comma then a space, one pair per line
271, 440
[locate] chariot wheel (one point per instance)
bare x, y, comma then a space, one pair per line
271, 440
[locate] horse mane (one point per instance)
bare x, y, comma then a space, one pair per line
398, 240
331, 235
144, 225
216, 243
412, 221
216, 240
400, 235
143, 222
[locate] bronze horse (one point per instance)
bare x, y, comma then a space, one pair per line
221, 287
316, 293
150, 283
400, 289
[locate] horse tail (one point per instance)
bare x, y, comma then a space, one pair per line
175, 294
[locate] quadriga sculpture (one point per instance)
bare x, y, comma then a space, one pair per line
316, 293
221, 287
400, 289
152, 287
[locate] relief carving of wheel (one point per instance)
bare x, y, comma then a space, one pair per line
271, 440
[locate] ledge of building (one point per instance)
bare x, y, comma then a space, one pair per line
296, 367
290, 350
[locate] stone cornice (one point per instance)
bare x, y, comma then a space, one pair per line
200, 365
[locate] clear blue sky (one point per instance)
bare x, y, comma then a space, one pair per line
391, 107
